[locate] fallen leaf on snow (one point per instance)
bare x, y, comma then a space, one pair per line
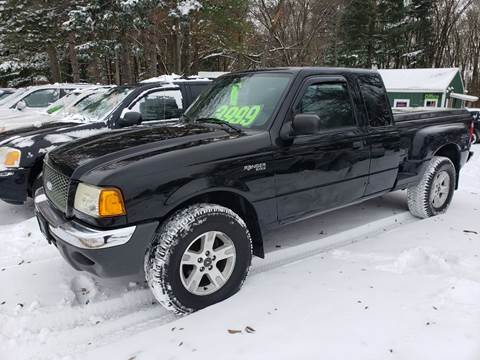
249, 329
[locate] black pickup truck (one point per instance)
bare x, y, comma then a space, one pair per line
22, 150
189, 204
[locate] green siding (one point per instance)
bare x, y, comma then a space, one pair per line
416, 99
457, 88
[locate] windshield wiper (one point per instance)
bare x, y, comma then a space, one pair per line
224, 123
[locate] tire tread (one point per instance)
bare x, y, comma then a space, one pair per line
418, 197
168, 236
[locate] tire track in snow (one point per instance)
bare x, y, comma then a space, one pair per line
293, 254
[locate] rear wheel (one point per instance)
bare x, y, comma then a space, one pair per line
200, 256
476, 137
432, 196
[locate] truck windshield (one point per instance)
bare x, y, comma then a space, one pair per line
104, 104
246, 100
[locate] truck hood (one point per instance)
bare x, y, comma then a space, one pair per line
78, 157
22, 120
32, 130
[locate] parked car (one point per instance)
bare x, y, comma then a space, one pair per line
22, 150
476, 115
188, 204
68, 105
35, 98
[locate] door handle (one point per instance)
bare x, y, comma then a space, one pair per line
357, 144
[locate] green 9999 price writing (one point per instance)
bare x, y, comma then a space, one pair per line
243, 115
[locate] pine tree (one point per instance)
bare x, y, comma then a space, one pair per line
421, 32
357, 34
392, 26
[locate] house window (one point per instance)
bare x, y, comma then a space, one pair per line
401, 103
431, 102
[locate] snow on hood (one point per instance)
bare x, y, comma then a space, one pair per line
22, 142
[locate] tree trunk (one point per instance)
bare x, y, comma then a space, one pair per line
53, 62
72, 53
126, 63
117, 66
186, 48
96, 69
151, 58
178, 47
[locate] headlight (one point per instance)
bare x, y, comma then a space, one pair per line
99, 202
10, 157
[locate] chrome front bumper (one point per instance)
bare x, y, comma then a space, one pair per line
74, 233
105, 253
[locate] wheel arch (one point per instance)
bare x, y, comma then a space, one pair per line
235, 202
35, 171
452, 152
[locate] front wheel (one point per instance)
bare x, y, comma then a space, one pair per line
200, 256
432, 196
475, 137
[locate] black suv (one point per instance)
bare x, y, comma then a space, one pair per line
22, 150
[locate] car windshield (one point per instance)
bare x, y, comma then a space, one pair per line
87, 100
60, 104
104, 104
246, 100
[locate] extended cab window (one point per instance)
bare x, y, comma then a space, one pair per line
41, 98
160, 105
331, 102
376, 101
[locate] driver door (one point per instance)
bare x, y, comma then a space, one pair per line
327, 169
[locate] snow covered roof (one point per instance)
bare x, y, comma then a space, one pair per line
424, 80
171, 78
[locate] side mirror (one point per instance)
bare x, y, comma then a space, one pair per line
306, 124
130, 118
21, 105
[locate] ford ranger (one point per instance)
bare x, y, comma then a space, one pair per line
188, 205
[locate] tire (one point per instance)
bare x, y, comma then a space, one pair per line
179, 252
433, 195
476, 137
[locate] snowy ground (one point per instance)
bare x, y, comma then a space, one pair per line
366, 282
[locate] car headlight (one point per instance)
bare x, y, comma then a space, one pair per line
10, 157
99, 202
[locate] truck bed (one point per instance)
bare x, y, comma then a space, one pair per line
438, 116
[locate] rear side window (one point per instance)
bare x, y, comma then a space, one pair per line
376, 102
196, 90
331, 102
160, 105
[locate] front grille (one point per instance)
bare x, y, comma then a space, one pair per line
56, 187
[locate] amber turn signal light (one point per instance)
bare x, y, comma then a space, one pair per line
12, 158
111, 203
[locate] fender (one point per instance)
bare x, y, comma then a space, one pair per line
205, 185
429, 140
239, 202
